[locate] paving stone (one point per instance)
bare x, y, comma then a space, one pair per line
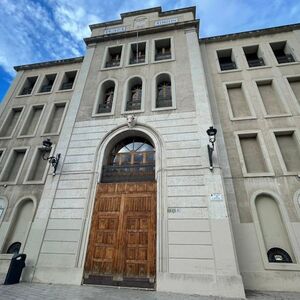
36, 291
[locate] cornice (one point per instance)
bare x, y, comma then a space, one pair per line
140, 32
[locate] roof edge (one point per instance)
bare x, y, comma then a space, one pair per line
145, 11
249, 33
49, 63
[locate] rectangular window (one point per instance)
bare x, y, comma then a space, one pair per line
289, 149
163, 49
28, 85
13, 166
68, 80
253, 56
32, 120
47, 83
38, 166
11, 122
270, 97
226, 60
282, 52
254, 160
295, 86
113, 57
55, 118
237, 100
137, 53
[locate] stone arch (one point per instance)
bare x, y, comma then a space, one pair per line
162, 76
108, 82
129, 84
20, 223
101, 153
272, 225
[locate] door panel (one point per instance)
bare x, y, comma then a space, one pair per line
122, 241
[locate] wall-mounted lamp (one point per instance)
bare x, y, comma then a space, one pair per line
53, 160
211, 132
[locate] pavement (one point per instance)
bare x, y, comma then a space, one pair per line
38, 291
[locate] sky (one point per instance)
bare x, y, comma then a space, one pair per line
41, 30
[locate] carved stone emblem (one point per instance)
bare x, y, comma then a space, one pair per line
131, 121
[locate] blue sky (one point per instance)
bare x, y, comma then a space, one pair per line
40, 30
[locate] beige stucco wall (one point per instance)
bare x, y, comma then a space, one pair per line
241, 187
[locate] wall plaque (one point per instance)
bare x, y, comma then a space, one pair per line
114, 30
165, 21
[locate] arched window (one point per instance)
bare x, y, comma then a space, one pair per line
19, 226
134, 94
106, 97
163, 91
273, 230
132, 159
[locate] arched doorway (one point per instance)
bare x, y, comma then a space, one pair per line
122, 242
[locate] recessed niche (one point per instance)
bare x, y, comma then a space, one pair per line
237, 100
38, 166
68, 80
13, 166
47, 83
272, 227
55, 118
295, 86
290, 150
270, 98
252, 154
11, 122
31, 123
28, 85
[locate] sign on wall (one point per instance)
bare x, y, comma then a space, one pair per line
165, 21
115, 30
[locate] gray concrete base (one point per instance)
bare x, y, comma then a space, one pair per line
282, 281
58, 275
205, 284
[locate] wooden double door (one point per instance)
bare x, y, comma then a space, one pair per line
122, 242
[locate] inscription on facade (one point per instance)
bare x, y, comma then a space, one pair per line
166, 21
115, 30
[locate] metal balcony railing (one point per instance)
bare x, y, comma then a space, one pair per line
67, 86
133, 105
256, 62
137, 60
129, 173
112, 63
285, 59
26, 91
104, 108
46, 88
162, 56
163, 102
228, 66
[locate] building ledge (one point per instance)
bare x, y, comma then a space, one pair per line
251, 33
150, 30
49, 63
146, 11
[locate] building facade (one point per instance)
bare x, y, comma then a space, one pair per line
253, 79
135, 199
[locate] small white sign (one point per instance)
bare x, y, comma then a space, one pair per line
216, 197
165, 21
115, 30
